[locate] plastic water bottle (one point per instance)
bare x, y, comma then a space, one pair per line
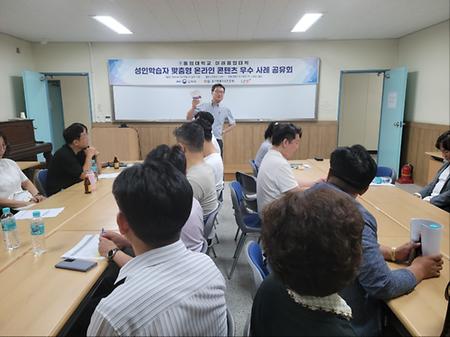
9, 228
94, 168
37, 228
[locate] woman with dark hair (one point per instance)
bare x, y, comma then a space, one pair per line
312, 240
16, 190
265, 145
437, 192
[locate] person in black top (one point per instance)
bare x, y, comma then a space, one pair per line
312, 240
72, 161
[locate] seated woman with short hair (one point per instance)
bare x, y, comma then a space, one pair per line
266, 144
438, 191
16, 190
312, 240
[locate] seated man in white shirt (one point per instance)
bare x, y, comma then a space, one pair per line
437, 192
211, 157
275, 175
166, 290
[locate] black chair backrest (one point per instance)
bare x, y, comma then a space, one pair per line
247, 182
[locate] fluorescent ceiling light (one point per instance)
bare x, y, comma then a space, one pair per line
113, 24
305, 22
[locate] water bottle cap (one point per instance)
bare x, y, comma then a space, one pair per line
6, 210
36, 214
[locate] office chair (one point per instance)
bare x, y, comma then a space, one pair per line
230, 324
384, 171
209, 230
254, 167
255, 260
248, 184
248, 223
40, 181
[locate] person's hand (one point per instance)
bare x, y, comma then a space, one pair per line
38, 198
105, 245
195, 102
119, 240
424, 267
402, 253
90, 152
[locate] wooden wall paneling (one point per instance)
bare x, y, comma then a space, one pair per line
242, 143
419, 138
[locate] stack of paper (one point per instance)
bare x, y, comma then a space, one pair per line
86, 249
108, 175
45, 213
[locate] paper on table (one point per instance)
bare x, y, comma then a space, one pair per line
86, 249
45, 213
108, 175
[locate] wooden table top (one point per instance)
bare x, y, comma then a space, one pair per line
28, 164
436, 154
74, 201
41, 298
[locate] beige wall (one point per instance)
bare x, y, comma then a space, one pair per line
11, 67
360, 109
75, 97
426, 54
335, 56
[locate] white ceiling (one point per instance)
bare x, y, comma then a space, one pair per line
217, 20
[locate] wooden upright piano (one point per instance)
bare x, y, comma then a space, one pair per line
22, 143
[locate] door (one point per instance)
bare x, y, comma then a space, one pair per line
37, 104
392, 111
56, 112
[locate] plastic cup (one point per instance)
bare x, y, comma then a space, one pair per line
415, 227
431, 239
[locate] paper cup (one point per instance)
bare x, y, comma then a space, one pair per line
196, 94
431, 239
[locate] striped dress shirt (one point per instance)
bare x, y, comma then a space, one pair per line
168, 291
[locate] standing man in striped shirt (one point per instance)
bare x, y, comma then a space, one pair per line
166, 290
221, 113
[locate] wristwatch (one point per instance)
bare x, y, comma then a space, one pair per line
112, 253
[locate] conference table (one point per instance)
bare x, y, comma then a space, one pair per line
24, 165
421, 312
37, 298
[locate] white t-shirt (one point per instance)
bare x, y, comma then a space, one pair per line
215, 161
11, 179
215, 143
275, 177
